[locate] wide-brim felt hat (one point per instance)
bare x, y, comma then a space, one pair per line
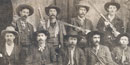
23, 6
111, 3
52, 7
72, 34
82, 4
9, 29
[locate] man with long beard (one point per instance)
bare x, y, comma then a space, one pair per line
25, 29
97, 54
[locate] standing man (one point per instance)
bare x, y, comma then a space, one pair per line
54, 26
97, 54
25, 29
114, 26
81, 21
121, 53
72, 54
41, 51
9, 51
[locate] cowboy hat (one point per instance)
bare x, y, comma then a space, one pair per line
82, 4
23, 6
72, 34
52, 7
111, 3
9, 29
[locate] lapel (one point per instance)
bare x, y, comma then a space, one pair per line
77, 20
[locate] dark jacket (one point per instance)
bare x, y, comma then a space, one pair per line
13, 59
79, 58
37, 57
103, 54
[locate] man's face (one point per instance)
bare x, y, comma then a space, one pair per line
96, 39
9, 37
24, 13
82, 11
124, 41
52, 13
112, 10
72, 41
41, 37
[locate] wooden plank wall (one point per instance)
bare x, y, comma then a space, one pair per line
68, 9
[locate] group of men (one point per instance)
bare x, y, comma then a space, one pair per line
53, 44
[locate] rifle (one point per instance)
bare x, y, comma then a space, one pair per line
79, 28
106, 20
98, 58
42, 20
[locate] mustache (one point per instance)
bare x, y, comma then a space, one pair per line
52, 15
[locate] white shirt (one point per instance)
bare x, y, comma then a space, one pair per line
9, 49
72, 56
97, 48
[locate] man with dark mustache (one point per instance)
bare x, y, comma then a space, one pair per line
72, 54
41, 51
97, 54
25, 29
81, 21
9, 50
54, 26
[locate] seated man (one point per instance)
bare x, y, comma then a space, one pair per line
121, 53
41, 51
9, 50
97, 54
72, 54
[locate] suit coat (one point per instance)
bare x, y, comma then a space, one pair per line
24, 34
117, 53
37, 57
13, 59
79, 58
103, 54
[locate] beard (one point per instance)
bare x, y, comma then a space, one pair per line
24, 17
9, 42
52, 16
96, 43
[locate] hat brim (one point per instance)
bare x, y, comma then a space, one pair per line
24, 6
111, 3
5, 31
79, 5
54, 7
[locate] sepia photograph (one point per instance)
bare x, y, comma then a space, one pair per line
64, 32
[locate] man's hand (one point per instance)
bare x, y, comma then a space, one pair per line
87, 31
107, 23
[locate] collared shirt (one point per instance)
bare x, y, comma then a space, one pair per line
9, 49
111, 18
71, 60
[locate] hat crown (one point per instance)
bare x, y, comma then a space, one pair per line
83, 3
10, 28
73, 33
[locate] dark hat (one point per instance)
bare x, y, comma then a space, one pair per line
9, 29
42, 31
112, 3
90, 34
72, 34
23, 6
82, 4
52, 7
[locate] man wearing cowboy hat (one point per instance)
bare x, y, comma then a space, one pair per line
72, 54
114, 26
121, 53
81, 21
9, 51
24, 28
54, 26
41, 52
96, 53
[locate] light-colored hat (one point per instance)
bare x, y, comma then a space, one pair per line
83, 4
9, 29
